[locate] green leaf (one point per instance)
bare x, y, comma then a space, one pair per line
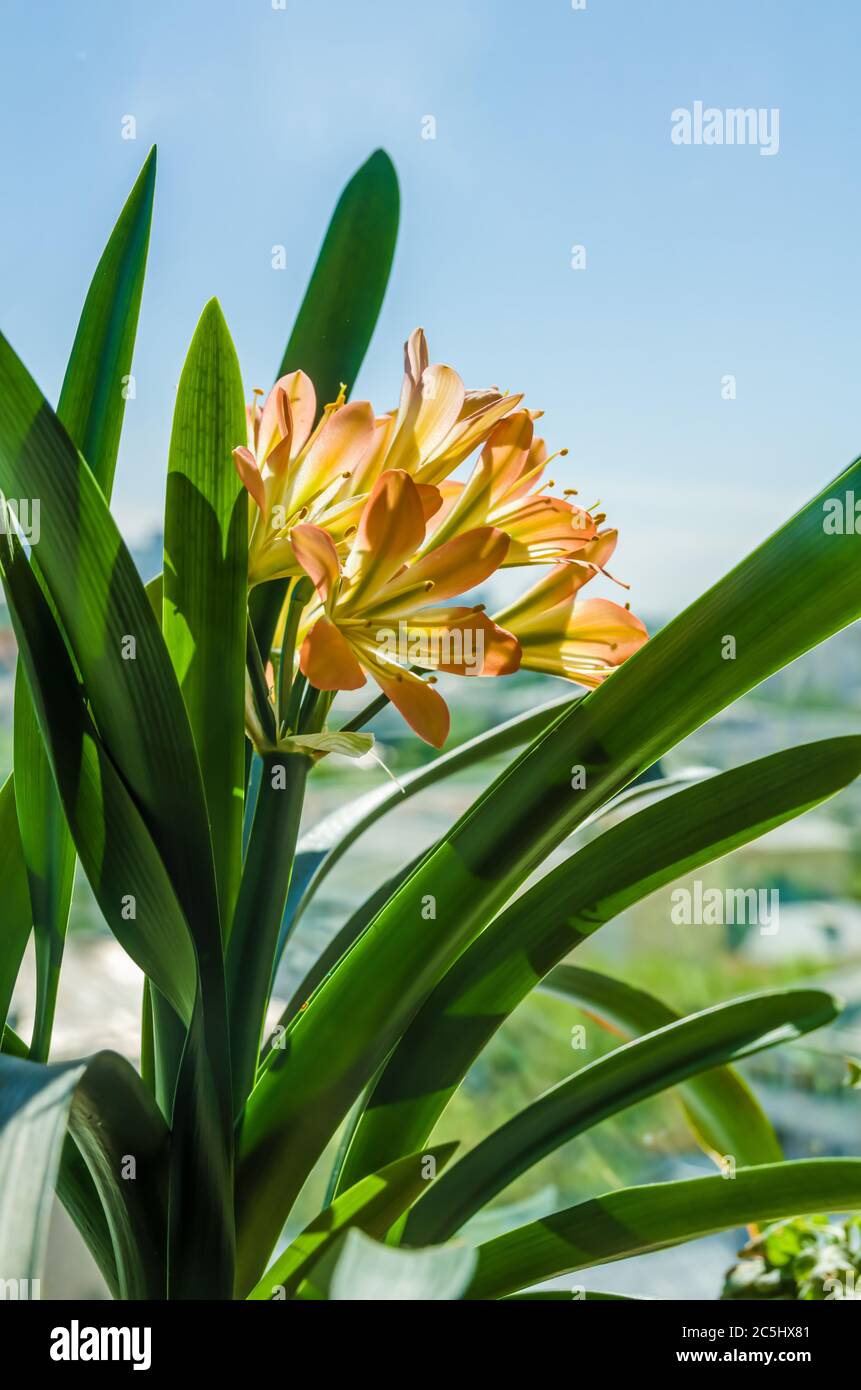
93, 397
793, 592
119, 858
645, 789
110, 1116
260, 909
636, 1220
111, 631
325, 843
330, 741
339, 312
720, 1107
342, 302
711, 1038
137, 899
206, 581
49, 859
610, 873
565, 1296
130, 684
15, 916
91, 407
372, 1206
359, 1269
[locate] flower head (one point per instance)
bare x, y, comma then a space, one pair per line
505, 491
582, 641
294, 472
366, 507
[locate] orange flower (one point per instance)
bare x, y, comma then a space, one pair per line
437, 425
503, 492
295, 473
583, 642
370, 621
324, 477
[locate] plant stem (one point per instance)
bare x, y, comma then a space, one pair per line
260, 908
49, 958
365, 715
299, 595
259, 688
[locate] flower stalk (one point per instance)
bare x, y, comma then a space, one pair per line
260, 909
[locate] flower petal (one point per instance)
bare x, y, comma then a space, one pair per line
337, 448
472, 427
328, 661
430, 414
421, 705
391, 529
462, 641
547, 605
452, 568
300, 398
507, 450
316, 553
582, 642
250, 476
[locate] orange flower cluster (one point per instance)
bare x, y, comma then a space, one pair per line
366, 507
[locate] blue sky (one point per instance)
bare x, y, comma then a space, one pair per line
553, 129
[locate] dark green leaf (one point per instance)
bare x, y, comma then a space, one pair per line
638, 1219
624, 864
91, 407
111, 1118
372, 1206
15, 914
688, 1047
722, 1110
358, 1269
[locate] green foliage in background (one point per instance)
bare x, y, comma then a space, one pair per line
809, 1259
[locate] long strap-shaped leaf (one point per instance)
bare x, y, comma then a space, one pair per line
794, 591
643, 789
132, 888
621, 866
111, 630
15, 914
206, 581
357, 1268
321, 847
120, 1137
712, 1038
723, 1112
372, 1206
345, 293
120, 860
638, 1219
339, 312
91, 406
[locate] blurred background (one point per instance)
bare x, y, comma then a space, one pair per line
526, 138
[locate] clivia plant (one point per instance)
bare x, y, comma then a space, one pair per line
164, 738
